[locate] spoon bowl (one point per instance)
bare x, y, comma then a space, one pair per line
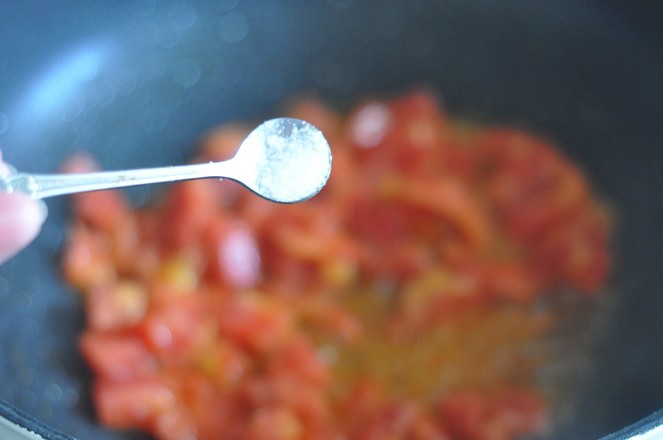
285, 160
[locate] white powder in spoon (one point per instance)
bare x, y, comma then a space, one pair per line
291, 160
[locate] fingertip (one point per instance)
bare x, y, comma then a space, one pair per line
21, 219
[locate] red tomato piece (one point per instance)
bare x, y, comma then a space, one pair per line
233, 253
87, 262
255, 323
189, 208
177, 329
299, 360
116, 306
219, 314
130, 404
469, 415
117, 357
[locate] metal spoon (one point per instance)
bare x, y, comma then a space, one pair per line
284, 160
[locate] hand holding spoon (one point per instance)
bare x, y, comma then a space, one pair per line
284, 160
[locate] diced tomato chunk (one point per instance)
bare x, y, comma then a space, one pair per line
217, 314
178, 330
116, 306
135, 403
234, 256
299, 359
116, 357
511, 413
255, 323
274, 424
188, 210
87, 263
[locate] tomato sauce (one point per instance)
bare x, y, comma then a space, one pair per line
399, 303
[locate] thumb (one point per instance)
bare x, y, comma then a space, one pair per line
20, 221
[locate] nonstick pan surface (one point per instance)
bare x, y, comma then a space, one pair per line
137, 82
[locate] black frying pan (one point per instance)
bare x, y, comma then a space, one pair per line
136, 82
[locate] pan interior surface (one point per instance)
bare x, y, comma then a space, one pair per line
135, 83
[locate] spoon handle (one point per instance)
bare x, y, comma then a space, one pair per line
40, 186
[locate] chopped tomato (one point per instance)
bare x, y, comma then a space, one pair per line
116, 306
509, 414
361, 314
233, 254
131, 404
177, 329
260, 326
117, 357
87, 261
274, 424
188, 210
